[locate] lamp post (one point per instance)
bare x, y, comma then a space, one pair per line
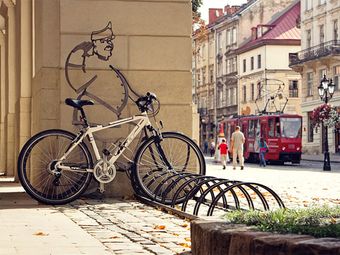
326, 90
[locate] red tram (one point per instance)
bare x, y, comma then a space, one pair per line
282, 132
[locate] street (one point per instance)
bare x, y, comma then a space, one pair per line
298, 186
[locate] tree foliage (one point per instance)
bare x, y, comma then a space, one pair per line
195, 5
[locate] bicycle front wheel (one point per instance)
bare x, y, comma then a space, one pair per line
37, 164
163, 165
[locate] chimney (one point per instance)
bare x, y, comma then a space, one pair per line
230, 10
214, 14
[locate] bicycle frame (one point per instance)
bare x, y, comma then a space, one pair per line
143, 121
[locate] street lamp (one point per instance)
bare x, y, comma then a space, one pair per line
326, 90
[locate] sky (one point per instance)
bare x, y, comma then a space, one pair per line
217, 4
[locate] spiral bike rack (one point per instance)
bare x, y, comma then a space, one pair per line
200, 195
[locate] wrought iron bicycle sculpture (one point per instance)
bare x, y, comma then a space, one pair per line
56, 166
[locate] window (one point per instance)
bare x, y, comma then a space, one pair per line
198, 78
322, 2
310, 137
204, 76
335, 30
259, 89
211, 74
233, 65
252, 91
220, 96
228, 37
271, 125
309, 38
203, 51
232, 96
293, 88
251, 130
244, 65
309, 84
336, 78
277, 127
228, 97
322, 34
258, 61
219, 44
252, 63
228, 66
308, 4
322, 72
244, 93
219, 69
233, 36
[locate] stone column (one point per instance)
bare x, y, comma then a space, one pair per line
3, 101
11, 88
25, 72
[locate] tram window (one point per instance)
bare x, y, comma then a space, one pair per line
271, 127
277, 125
251, 128
257, 128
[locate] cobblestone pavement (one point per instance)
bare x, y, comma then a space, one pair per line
130, 227
112, 226
301, 185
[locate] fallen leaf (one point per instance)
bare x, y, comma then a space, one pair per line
113, 237
40, 234
188, 239
184, 225
175, 234
185, 245
159, 227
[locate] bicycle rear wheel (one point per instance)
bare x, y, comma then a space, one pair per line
36, 165
161, 166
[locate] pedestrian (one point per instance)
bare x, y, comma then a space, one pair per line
263, 150
206, 145
237, 141
223, 147
212, 148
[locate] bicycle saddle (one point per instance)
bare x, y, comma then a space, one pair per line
78, 103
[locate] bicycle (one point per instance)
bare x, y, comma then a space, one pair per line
56, 166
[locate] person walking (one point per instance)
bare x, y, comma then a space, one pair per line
237, 141
223, 147
263, 150
212, 148
206, 145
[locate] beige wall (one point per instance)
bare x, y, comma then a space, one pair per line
152, 49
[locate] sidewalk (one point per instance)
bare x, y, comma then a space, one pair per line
320, 157
88, 226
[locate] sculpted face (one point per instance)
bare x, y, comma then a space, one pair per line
103, 48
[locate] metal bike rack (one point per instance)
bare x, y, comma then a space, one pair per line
204, 195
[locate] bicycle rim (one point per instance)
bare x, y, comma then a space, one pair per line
36, 161
160, 177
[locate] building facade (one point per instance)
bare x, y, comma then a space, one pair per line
266, 82
204, 83
319, 56
230, 28
35, 40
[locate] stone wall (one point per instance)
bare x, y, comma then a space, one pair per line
221, 238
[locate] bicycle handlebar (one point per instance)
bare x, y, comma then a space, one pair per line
144, 102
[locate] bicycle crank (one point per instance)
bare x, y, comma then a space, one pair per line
104, 172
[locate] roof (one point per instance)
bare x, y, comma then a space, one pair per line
283, 30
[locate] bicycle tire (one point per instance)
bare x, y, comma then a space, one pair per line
151, 175
41, 184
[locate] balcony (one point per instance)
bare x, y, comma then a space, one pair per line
322, 50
